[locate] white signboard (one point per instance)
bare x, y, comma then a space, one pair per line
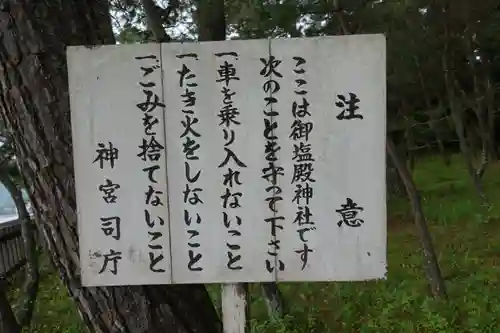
232, 161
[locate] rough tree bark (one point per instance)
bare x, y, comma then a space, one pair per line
431, 264
35, 107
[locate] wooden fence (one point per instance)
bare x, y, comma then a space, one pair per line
12, 256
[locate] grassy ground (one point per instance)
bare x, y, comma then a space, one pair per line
467, 239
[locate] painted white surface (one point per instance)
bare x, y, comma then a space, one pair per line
248, 146
104, 89
234, 305
349, 159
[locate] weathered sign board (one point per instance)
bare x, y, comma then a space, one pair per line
232, 161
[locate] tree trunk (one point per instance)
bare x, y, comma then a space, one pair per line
490, 118
434, 119
211, 20
457, 116
431, 264
154, 20
394, 185
35, 107
432, 115
479, 106
274, 300
410, 144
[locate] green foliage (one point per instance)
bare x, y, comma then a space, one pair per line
55, 311
467, 239
422, 39
129, 20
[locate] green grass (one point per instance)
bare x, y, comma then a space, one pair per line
467, 240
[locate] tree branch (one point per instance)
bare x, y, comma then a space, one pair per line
155, 20
431, 265
339, 12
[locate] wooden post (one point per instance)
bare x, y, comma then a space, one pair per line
235, 308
